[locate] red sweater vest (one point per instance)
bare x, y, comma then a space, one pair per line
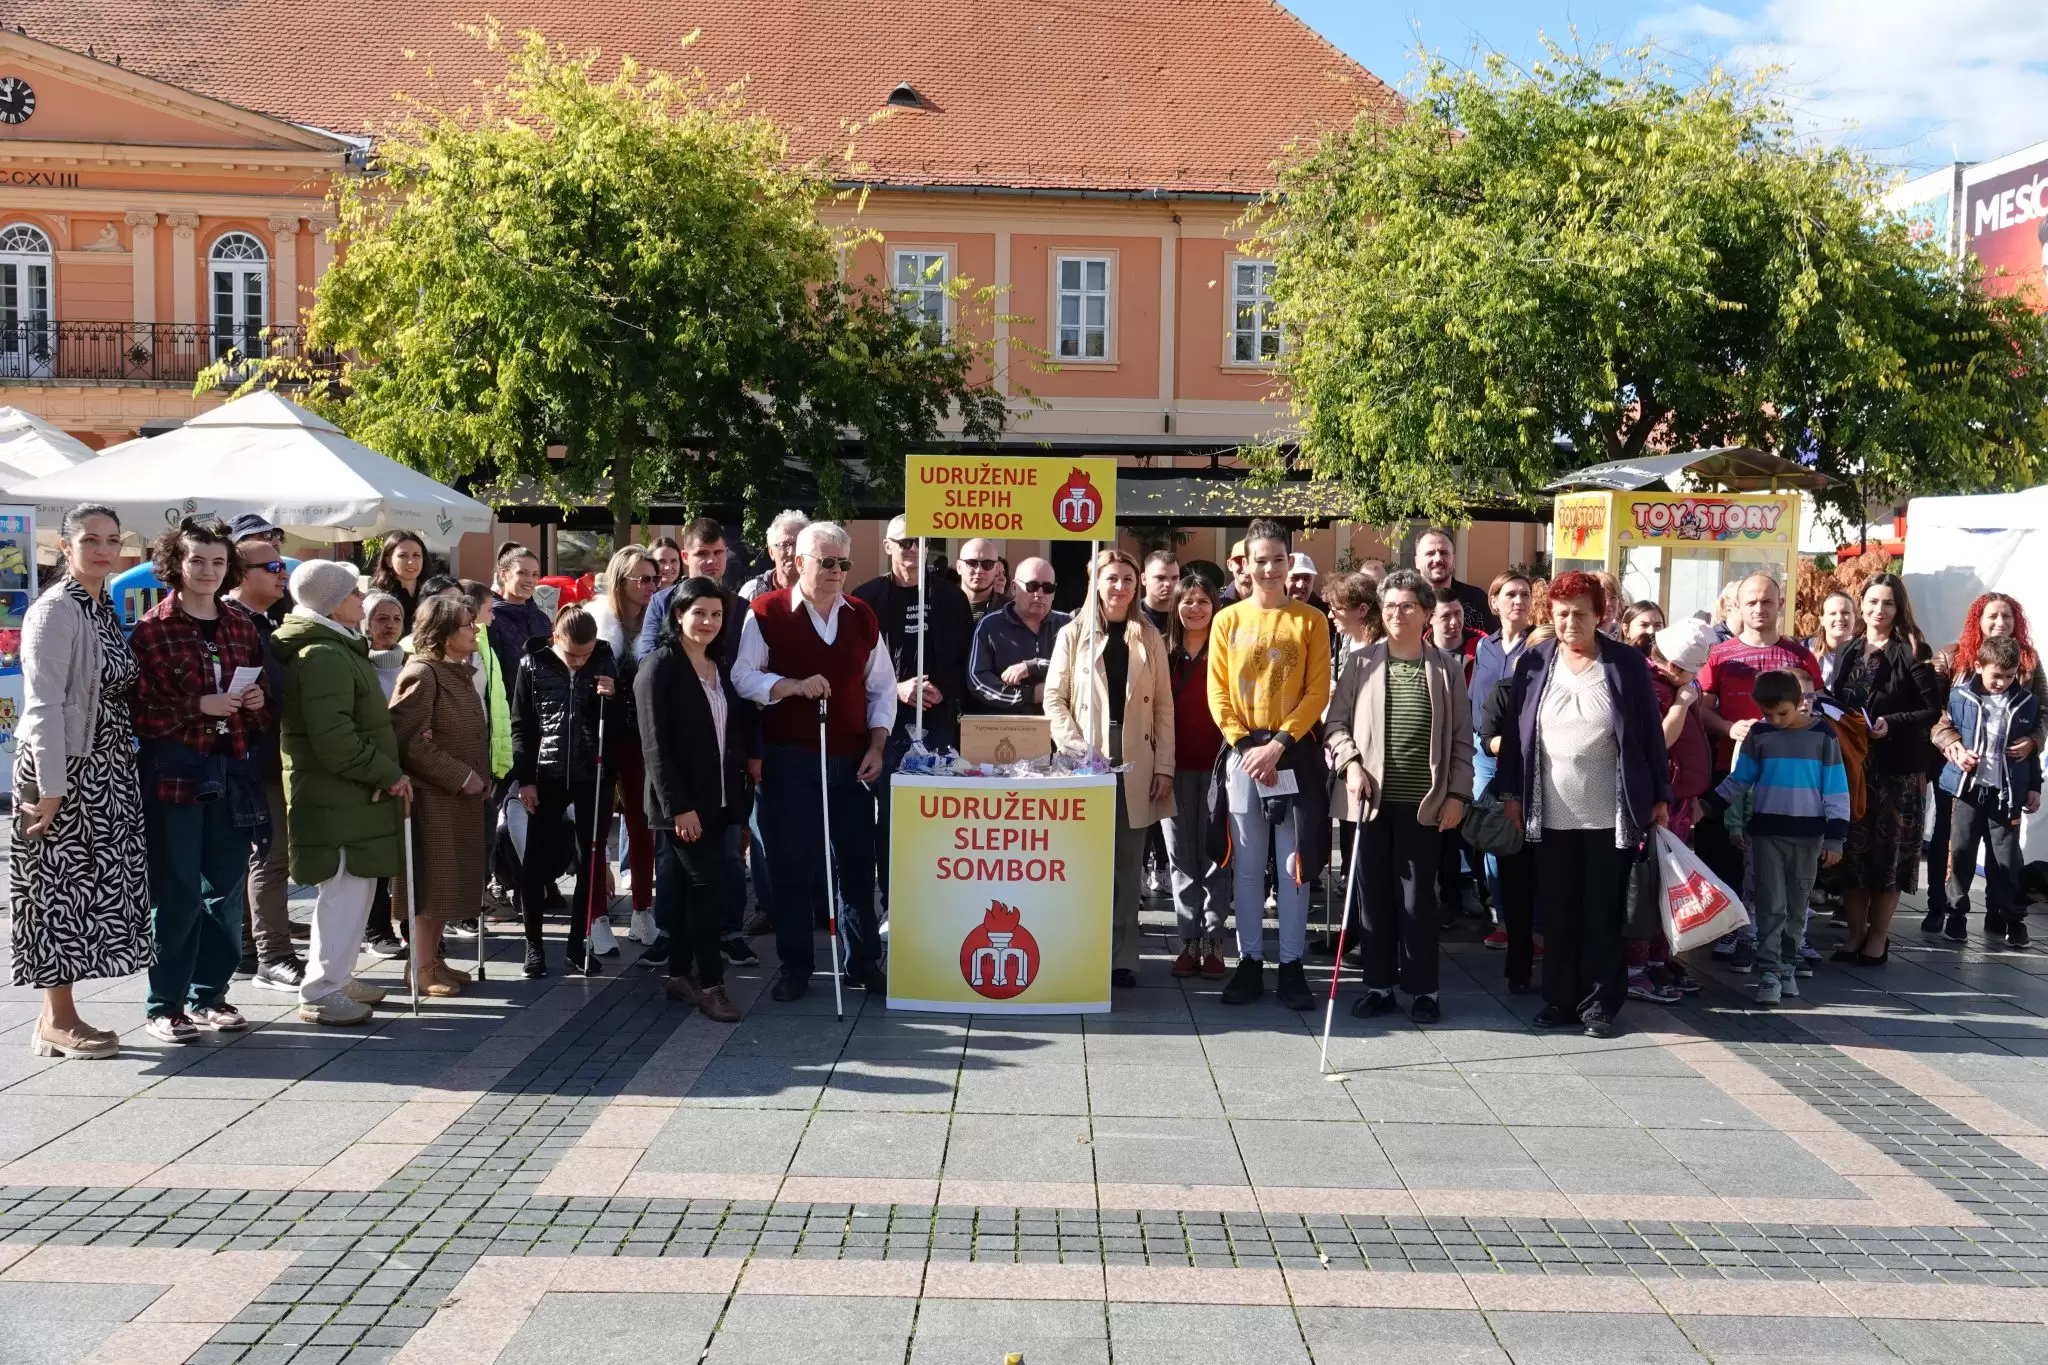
795, 651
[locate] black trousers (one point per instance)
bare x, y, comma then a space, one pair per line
695, 918
2003, 897
1940, 849
1583, 880
1450, 873
1397, 867
547, 831
1518, 912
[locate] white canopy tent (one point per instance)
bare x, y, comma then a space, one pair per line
31, 447
265, 454
1958, 548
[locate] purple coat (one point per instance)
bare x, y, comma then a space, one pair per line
1645, 767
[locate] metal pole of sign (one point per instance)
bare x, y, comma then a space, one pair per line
923, 629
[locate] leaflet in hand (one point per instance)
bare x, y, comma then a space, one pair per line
246, 677
1245, 794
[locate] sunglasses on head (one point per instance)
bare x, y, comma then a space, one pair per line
828, 562
984, 565
1045, 588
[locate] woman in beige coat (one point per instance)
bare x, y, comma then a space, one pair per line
1399, 735
1124, 710
444, 744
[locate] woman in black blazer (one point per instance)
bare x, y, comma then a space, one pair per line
701, 744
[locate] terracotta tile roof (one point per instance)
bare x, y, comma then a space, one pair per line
1187, 95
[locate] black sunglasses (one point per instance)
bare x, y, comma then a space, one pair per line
828, 562
983, 564
1047, 588
268, 566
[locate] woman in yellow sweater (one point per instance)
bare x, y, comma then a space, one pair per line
1269, 680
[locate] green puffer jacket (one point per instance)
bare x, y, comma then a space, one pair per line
340, 755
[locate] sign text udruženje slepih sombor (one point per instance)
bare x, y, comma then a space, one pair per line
1030, 497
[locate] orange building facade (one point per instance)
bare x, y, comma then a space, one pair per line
147, 225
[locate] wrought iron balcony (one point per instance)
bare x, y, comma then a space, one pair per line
131, 352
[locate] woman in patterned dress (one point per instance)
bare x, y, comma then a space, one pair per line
79, 878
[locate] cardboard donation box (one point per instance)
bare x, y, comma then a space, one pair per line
1004, 739
999, 894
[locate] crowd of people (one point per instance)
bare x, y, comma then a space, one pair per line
1532, 738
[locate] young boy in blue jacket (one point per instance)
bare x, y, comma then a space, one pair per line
1788, 803
1992, 788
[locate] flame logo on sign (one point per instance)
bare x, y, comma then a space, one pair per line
999, 959
1076, 506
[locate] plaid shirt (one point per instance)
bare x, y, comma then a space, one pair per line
179, 667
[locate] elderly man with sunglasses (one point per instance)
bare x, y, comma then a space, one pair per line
804, 651
1013, 646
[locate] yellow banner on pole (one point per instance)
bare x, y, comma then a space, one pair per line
999, 894
1031, 497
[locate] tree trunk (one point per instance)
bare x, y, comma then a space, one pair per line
622, 499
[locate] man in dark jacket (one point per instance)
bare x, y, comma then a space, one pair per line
947, 628
1436, 558
268, 957
1013, 648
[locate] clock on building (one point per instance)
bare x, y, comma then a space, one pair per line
17, 101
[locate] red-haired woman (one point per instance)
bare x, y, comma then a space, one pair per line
1584, 770
1992, 615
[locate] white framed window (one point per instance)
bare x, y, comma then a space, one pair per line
1081, 305
28, 341
239, 271
920, 278
1254, 329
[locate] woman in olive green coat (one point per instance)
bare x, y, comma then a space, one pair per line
343, 786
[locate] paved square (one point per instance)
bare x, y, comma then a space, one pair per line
579, 1171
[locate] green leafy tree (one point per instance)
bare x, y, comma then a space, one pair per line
1591, 250
632, 269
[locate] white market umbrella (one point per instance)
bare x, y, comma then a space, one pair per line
31, 447
264, 454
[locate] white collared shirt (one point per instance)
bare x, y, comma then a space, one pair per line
752, 680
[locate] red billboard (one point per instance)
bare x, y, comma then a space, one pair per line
2005, 221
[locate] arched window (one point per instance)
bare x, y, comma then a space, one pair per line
240, 270
28, 340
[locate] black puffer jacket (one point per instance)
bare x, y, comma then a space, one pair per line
554, 715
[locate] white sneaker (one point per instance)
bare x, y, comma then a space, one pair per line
1768, 991
335, 1010
170, 1028
362, 992
644, 929
1789, 985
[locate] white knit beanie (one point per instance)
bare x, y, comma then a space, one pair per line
321, 585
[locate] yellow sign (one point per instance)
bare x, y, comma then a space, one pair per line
999, 894
1580, 528
1030, 497
1732, 519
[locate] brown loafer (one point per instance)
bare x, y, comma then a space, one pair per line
682, 987
440, 970
84, 1044
717, 1007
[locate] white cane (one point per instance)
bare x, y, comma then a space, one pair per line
483, 919
831, 890
412, 908
1337, 967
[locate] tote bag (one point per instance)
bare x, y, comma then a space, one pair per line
1698, 906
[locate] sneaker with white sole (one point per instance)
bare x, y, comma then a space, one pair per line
170, 1028
362, 992
1789, 985
335, 1011
221, 1018
1768, 991
287, 975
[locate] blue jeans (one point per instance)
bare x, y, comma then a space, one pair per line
1484, 766
792, 819
198, 867
1251, 837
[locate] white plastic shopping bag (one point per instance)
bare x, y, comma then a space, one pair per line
1698, 906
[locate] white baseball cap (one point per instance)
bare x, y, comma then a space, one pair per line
1302, 564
